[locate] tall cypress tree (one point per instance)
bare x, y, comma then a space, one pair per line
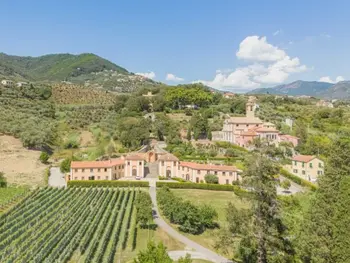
319, 238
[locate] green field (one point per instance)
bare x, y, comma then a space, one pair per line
218, 200
10, 196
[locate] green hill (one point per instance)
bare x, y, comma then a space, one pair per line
54, 67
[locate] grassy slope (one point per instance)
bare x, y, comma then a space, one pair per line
8, 194
217, 199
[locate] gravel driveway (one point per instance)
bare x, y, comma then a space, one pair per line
56, 178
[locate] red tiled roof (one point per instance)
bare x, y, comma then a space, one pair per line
96, 164
288, 136
168, 157
200, 166
303, 158
264, 129
135, 157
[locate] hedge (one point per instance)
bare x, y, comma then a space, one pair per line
215, 187
106, 183
297, 179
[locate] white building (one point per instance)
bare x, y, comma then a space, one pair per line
7, 83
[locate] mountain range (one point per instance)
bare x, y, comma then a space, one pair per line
340, 90
88, 69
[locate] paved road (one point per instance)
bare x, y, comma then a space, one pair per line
56, 178
294, 188
198, 250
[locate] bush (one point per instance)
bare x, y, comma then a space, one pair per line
44, 157
3, 182
107, 183
297, 179
162, 178
65, 165
214, 187
143, 204
211, 179
179, 179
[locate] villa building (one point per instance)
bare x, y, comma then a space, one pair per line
7, 83
308, 167
133, 166
242, 130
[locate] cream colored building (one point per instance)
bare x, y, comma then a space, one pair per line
308, 167
7, 83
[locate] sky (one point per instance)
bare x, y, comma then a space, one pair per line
231, 45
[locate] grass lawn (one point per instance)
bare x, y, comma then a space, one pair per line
217, 199
10, 196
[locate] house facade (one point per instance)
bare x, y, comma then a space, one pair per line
307, 167
134, 166
7, 83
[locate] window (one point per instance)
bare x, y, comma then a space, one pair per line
82, 178
98, 170
320, 165
75, 170
223, 173
227, 181
105, 169
197, 180
128, 163
230, 173
215, 172
75, 178
303, 172
236, 125
295, 163
310, 165
162, 163
91, 170
295, 171
98, 177
303, 164
140, 163
247, 125
257, 125
319, 172
106, 177
174, 163
83, 170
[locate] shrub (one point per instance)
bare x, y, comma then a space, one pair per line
297, 179
214, 187
44, 157
65, 165
285, 184
143, 204
162, 178
211, 179
3, 182
107, 183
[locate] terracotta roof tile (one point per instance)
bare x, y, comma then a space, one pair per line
303, 158
135, 157
211, 167
97, 164
168, 157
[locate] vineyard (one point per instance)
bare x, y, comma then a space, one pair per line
52, 225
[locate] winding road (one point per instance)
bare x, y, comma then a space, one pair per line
198, 251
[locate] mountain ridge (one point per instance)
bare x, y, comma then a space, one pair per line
340, 90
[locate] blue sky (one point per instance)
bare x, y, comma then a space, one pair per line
231, 45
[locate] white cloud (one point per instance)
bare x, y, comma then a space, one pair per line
172, 77
271, 66
325, 35
329, 80
149, 75
277, 32
256, 48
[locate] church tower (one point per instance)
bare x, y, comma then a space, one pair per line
250, 107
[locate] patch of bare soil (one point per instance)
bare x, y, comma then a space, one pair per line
86, 138
20, 165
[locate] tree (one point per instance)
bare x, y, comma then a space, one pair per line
3, 182
186, 259
153, 254
110, 149
143, 206
44, 157
211, 179
210, 136
285, 184
65, 165
189, 134
322, 239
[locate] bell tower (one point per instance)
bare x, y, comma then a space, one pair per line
250, 107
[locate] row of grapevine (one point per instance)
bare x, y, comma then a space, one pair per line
51, 224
